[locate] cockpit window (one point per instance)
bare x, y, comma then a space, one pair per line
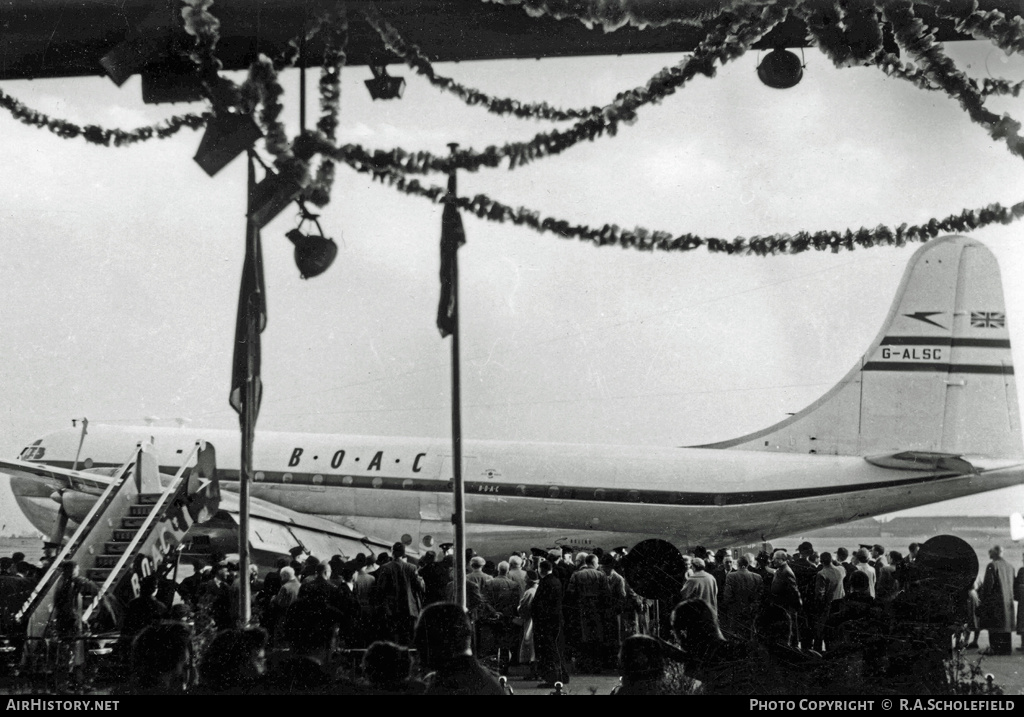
35, 452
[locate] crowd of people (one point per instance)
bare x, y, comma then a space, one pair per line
770, 624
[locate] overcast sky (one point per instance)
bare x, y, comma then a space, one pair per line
121, 269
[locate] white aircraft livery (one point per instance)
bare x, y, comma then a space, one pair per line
929, 413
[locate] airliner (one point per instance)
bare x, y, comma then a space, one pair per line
929, 413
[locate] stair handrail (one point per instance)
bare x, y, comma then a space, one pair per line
72, 546
147, 525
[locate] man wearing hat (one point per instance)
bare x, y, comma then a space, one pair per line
362, 590
399, 592
805, 572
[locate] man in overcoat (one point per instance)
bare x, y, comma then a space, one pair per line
995, 613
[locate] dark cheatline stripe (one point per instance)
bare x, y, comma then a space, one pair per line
938, 367
634, 496
587, 493
945, 341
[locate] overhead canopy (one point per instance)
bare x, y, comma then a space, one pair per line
66, 38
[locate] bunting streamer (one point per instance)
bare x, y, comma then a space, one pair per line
415, 59
613, 14
728, 40
847, 33
319, 190
913, 36
101, 135
643, 239
992, 25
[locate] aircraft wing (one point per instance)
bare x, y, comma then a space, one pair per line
56, 478
274, 529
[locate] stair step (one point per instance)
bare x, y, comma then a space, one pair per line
149, 498
124, 536
115, 548
107, 561
133, 522
98, 574
140, 510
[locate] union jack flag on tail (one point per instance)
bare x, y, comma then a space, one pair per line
988, 319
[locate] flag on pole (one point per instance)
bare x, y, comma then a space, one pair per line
252, 306
452, 237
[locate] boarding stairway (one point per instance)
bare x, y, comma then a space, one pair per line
137, 523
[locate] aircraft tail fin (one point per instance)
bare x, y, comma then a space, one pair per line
938, 378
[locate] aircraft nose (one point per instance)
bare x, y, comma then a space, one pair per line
24, 487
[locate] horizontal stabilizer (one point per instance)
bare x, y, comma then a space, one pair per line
923, 461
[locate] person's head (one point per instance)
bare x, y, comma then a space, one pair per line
727, 562
18, 557
428, 558
640, 658
235, 657
514, 563
862, 555
763, 558
913, 548
877, 550
160, 658
503, 568
545, 567
688, 561
895, 557
592, 561
860, 583
826, 559
995, 552
477, 564
323, 571
386, 665
695, 623
805, 549
398, 550
443, 632
744, 561
222, 572
69, 569
779, 559
842, 554
698, 564
532, 578
287, 574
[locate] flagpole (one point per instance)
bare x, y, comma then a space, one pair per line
248, 428
458, 489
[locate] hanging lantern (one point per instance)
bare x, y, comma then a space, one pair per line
383, 86
780, 69
314, 253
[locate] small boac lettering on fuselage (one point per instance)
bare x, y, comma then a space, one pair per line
338, 458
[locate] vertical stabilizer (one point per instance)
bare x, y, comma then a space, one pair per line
938, 377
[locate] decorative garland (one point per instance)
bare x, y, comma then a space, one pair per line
613, 14
319, 190
992, 25
101, 135
913, 36
203, 25
415, 59
730, 39
847, 33
643, 239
